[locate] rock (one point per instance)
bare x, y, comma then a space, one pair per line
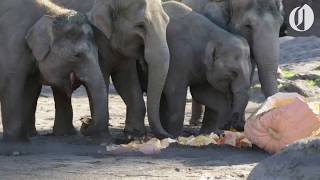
297, 161
301, 87
294, 86
299, 49
303, 78
308, 76
303, 67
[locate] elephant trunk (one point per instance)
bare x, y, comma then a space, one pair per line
240, 97
266, 52
157, 57
96, 90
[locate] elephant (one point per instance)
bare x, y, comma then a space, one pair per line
258, 21
288, 7
214, 63
45, 44
139, 34
126, 31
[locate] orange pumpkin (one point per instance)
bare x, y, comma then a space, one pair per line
284, 119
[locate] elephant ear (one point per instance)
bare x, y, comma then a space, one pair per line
101, 16
210, 54
39, 37
236, 8
218, 13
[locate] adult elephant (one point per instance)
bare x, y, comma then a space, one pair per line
52, 46
289, 6
126, 30
259, 22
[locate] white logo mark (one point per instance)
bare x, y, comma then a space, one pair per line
305, 18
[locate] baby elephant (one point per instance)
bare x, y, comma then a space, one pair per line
46, 44
212, 62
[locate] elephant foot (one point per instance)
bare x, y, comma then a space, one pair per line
174, 130
94, 131
238, 122
172, 134
134, 134
195, 122
15, 139
64, 131
238, 126
33, 132
101, 133
126, 140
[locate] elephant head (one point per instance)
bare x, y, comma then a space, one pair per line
228, 70
67, 56
259, 22
136, 29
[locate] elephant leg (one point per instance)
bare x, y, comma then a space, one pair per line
14, 108
126, 82
218, 109
197, 110
163, 111
34, 90
175, 109
210, 121
64, 115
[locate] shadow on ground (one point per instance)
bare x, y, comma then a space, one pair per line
77, 145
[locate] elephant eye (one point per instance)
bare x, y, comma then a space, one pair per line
141, 27
77, 55
233, 74
248, 27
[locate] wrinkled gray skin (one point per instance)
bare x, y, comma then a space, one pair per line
297, 161
214, 63
288, 6
127, 30
259, 22
45, 44
218, 108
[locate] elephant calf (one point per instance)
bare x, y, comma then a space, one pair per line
214, 63
258, 21
43, 43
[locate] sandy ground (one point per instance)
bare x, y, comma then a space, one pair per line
77, 157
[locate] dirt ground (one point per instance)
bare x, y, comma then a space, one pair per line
77, 157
